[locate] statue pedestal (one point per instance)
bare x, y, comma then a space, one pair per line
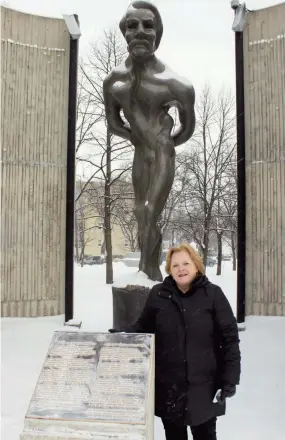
128, 303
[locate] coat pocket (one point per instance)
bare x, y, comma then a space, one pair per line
202, 368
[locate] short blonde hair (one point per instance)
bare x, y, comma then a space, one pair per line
193, 254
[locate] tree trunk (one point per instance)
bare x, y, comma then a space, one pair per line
82, 256
205, 245
107, 214
233, 246
76, 240
133, 245
220, 252
82, 240
103, 247
172, 238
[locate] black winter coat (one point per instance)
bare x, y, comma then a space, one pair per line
196, 348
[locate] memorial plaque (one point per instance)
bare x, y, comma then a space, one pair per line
106, 379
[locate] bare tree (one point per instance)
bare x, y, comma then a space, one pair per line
231, 233
121, 206
87, 218
107, 158
126, 219
224, 209
88, 115
229, 204
82, 238
210, 153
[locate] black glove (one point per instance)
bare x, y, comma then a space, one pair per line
226, 392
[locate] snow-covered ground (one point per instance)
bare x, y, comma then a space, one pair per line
257, 412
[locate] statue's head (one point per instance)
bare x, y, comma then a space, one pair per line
142, 28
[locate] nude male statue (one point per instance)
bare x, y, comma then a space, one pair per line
145, 89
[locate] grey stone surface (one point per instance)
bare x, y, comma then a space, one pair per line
94, 386
128, 304
144, 88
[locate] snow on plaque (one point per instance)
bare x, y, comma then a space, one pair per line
95, 377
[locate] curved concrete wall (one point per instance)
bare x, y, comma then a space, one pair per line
34, 102
264, 58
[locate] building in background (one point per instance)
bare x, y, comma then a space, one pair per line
89, 220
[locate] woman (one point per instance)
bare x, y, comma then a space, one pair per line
197, 347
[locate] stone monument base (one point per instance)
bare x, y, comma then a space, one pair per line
128, 303
63, 430
94, 386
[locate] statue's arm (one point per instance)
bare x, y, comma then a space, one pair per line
186, 116
112, 110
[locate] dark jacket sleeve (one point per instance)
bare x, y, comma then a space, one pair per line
146, 321
227, 329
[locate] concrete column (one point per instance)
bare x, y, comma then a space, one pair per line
264, 59
35, 75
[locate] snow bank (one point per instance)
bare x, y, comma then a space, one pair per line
134, 279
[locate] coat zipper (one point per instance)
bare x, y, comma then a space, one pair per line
181, 310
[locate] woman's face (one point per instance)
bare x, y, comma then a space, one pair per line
182, 269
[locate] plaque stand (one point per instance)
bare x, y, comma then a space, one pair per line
62, 430
94, 386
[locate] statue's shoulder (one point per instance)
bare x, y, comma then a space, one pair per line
183, 89
115, 74
177, 83
182, 84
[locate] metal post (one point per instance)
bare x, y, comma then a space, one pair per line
241, 193
73, 27
238, 27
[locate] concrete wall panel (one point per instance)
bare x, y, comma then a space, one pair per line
264, 58
34, 102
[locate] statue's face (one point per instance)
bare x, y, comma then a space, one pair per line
140, 33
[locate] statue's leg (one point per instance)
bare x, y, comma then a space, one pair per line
161, 180
141, 180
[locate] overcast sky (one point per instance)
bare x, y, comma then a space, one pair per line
197, 43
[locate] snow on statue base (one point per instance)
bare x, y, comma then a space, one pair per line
94, 386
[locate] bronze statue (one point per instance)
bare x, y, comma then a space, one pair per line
145, 89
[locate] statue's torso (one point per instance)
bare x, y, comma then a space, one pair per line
145, 99
150, 95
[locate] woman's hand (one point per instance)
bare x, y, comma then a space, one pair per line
226, 392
